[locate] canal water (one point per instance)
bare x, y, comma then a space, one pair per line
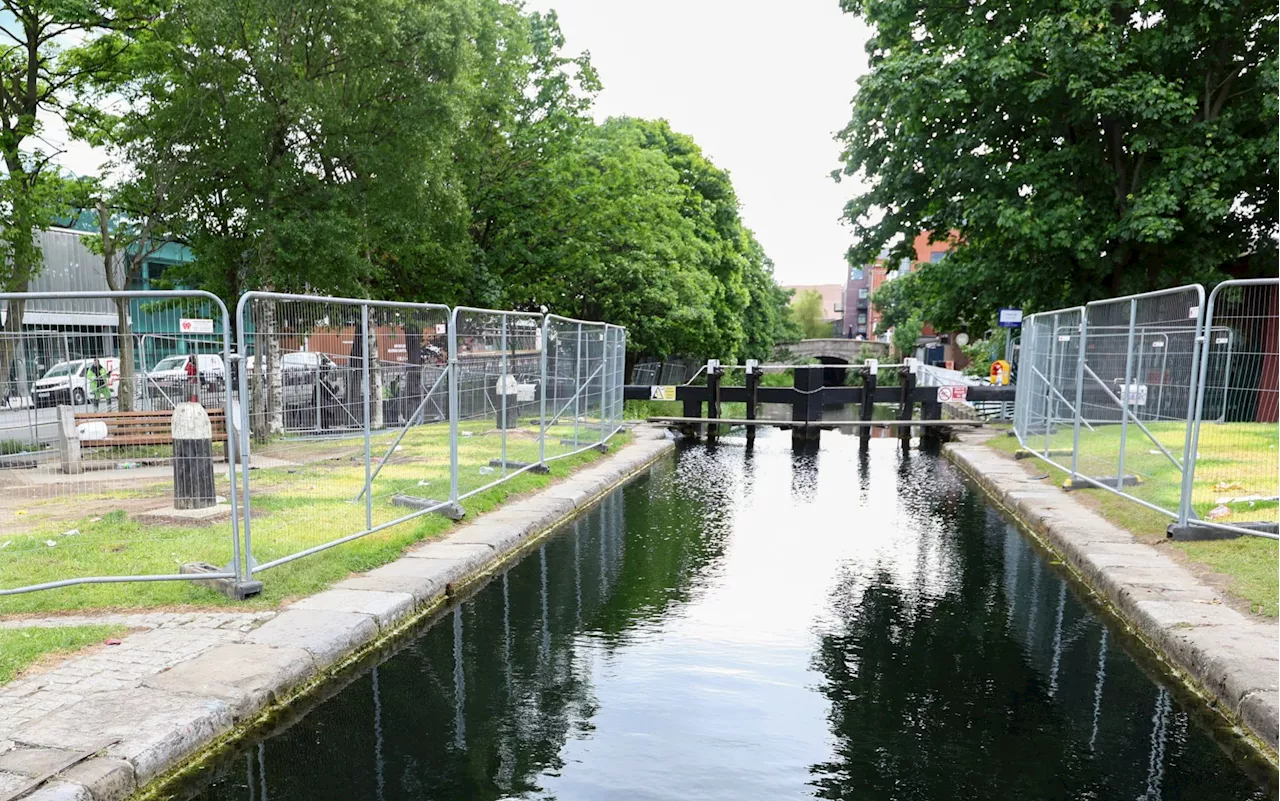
757, 625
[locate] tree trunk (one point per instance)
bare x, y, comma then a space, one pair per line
268, 418
124, 331
124, 344
10, 339
376, 420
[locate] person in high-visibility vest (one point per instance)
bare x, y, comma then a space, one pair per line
98, 385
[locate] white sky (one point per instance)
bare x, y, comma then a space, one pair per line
762, 87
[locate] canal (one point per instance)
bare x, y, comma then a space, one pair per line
764, 624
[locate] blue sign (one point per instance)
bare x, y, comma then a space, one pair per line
1010, 318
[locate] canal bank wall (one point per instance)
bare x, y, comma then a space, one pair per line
1230, 659
106, 725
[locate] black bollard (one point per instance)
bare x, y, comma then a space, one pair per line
192, 457
753, 383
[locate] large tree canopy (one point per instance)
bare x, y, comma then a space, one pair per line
430, 151
1081, 148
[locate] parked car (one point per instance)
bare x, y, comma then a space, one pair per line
68, 382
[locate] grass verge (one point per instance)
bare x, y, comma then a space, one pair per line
308, 497
21, 648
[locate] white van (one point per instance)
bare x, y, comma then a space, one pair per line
68, 382
168, 378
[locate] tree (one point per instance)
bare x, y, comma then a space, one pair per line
807, 308
634, 225
527, 106
897, 300
1080, 148
302, 128
129, 220
50, 47
906, 333
766, 320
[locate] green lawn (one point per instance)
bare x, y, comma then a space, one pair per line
310, 501
1252, 563
1236, 465
20, 648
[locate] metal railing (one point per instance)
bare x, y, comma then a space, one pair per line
345, 417
1131, 394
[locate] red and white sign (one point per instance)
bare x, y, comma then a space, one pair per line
952, 393
195, 325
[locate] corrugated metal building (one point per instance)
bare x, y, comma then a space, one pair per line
72, 328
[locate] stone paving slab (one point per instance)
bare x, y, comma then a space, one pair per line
327, 636
1234, 658
184, 679
246, 677
157, 729
386, 608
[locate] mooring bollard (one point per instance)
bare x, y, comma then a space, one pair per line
192, 457
68, 442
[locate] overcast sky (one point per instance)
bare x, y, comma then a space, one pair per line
761, 86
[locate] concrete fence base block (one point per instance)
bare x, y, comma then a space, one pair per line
233, 589
453, 511
1029, 454
533, 467
1195, 531
1092, 483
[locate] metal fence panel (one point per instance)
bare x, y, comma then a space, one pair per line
497, 428
343, 417
1135, 393
577, 382
1045, 400
88, 383
1233, 482
346, 424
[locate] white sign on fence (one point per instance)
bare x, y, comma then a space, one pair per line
195, 325
1134, 395
661, 393
952, 393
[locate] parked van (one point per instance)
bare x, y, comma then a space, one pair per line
68, 382
167, 380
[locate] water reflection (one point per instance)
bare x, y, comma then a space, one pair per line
767, 625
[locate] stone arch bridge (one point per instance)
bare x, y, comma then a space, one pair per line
837, 352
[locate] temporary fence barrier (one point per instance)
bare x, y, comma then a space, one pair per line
333, 419
496, 425
1115, 394
1231, 482
88, 384
341, 421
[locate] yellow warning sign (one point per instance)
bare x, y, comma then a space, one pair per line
662, 393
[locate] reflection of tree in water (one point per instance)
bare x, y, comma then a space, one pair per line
484, 701
996, 684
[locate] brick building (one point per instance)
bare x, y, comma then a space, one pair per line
860, 315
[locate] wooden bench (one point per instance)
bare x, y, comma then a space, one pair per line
144, 428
